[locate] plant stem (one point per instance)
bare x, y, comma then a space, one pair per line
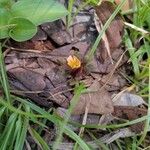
70, 7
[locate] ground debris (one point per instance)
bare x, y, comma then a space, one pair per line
131, 113
121, 133
57, 32
52, 79
97, 102
128, 99
114, 33
47, 69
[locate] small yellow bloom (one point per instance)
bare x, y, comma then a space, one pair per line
73, 62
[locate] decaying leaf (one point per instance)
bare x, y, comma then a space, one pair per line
114, 32
57, 32
128, 99
131, 113
108, 139
127, 106
99, 102
121, 133
30, 79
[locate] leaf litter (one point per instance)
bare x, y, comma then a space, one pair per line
42, 70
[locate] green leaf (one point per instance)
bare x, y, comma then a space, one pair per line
39, 11
4, 17
24, 29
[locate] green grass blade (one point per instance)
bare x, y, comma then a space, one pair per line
56, 121
76, 138
147, 123
97, 141
21, 140
133, 57
111, 126
68, 113
90, 54
70, 7
134, 143
70, 133
4, 76
18, 131
2, 113
2, 109
38, 138
18, 111
8, 132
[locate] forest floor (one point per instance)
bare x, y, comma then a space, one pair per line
81, 84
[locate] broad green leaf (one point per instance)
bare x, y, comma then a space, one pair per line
4, 17
24, 29
39, 11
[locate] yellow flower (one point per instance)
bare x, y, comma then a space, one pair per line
73, 62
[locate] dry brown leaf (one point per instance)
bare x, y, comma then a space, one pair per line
30, 79
131, 113
100, 101
117, 134
57, 32
104, 40
128, 99
128, 4
113, 32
